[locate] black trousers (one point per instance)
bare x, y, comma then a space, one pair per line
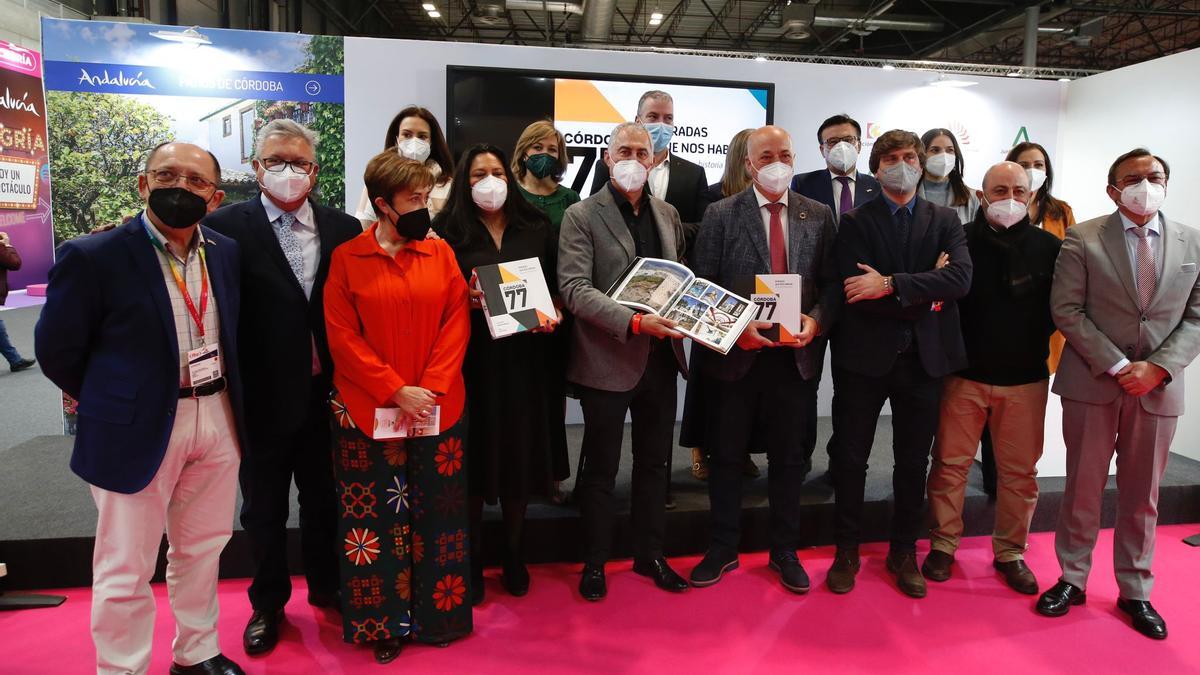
768, 405
857, 401
268, 466
651, 406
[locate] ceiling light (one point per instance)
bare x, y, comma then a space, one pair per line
943, 81
656, 16
191, 36
1064, 79
760, 59
888, 66
435, 14
429, 7
1014, 73
655, 22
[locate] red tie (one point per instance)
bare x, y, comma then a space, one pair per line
778, 249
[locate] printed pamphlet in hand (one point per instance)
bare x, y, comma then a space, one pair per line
778, 299
515, 297
393, 423
702, 310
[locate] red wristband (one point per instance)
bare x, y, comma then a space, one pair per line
635, 324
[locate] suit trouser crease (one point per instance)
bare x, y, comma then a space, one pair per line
192, 497
266, 478
1141, 441
1015, 416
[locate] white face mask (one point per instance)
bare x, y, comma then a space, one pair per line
900, 178
287, 186
940, 165
843, 157
1006, 212
1037, 178
629, 175
774, 177
1144, 198
414, 148
489, 194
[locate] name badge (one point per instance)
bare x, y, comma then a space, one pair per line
393, 423
204, 364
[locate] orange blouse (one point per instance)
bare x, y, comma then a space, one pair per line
394, 322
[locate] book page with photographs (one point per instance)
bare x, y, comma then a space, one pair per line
651, 284
711, 315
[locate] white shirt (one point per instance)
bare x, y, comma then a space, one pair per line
660, 177
305, 229
1132, 241
837, 190
766, 215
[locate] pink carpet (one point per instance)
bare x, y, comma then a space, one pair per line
747, 623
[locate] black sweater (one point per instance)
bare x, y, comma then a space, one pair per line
1006, 321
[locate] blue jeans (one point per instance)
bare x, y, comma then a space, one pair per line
6, 346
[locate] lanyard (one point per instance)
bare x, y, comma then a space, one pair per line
197, 317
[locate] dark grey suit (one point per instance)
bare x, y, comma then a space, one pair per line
616, 371
762, 395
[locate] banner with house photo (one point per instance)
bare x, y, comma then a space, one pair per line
115, 90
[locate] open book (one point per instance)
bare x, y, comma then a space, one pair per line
515, 297
702, 310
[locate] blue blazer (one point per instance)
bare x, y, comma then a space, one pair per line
106, 336
818, 185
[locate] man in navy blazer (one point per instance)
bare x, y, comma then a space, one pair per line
286, 240
898, 336
760, 388
139, 327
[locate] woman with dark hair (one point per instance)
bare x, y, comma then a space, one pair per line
942, 183
415, 134
514, 390
1053, 215
539, 161
396, 311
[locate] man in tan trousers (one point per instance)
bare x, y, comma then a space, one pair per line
1126, 298
1006, 328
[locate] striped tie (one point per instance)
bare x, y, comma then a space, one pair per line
1147, 273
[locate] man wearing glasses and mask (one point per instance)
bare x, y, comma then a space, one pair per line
286, 240
839, 185
139, 326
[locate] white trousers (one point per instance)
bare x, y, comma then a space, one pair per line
192, 497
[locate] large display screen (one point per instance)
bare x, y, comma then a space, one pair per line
494, 105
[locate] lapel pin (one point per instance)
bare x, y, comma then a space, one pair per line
803, 215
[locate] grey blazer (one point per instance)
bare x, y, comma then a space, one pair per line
594, 248
732, 247
1094, 303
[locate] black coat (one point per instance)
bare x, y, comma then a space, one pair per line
278, 324
818, 185
687, 191
869, 332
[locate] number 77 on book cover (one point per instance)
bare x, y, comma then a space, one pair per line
516, 298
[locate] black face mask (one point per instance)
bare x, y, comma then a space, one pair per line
413, 225
177, 207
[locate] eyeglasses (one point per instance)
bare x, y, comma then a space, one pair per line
1156, 178
300, 166
831, 142
171, 177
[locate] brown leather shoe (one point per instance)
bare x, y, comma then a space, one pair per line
840, 578
1018, 576
937, 565
908, 577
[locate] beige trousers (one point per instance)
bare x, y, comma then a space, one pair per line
1015, 416
192, 497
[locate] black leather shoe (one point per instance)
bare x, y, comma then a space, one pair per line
664, 577
1058, 600
515, 578
326, 600
592, 585
714, 565
1146, 620
937, 565
262, 632
845, 567
23, 364
791, 572
387, 650
217, 665
908, 577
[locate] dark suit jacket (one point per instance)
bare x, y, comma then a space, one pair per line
277, 320
818, 185
9, 260
107, 338
732, 247
869, 331
687, 191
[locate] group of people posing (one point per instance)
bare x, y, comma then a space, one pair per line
258, 341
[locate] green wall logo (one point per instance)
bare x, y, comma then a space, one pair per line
1022, 137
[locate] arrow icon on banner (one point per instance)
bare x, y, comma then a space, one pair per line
43, 214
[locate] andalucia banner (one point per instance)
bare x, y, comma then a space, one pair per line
24, 174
